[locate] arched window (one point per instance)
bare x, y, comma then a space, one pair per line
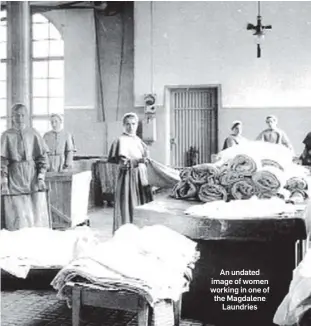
47, 72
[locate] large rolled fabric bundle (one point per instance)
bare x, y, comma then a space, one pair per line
243, 189
229, 177
296, 183
244, 164
269, 162
208, 193
269, 180
185, 174
203, 173
184, 190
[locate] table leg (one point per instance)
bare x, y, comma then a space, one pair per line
143, 313
177, 311
76, 306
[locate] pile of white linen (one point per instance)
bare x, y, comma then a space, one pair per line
298, 299
151, 261
43, 248
243, 209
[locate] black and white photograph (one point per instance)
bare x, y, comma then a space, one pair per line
155, 163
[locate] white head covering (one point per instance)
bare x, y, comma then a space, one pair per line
57, 115
272, 117
130, 115
235, 123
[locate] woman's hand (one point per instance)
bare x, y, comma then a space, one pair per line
41, 185
4, 188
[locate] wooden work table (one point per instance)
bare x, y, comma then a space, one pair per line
265, 244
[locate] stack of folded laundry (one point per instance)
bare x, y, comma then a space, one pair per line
155, 262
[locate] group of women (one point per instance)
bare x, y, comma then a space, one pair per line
25, 159
272, 134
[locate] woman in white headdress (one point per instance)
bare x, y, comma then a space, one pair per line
61, 146
236, 137
273, 134
132, 187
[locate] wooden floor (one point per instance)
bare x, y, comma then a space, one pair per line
33, 307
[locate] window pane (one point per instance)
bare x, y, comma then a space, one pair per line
56, 69
41, 125
40, 31
3, 125
56, 88
54, 33
38, 18
40, 69
40, 88
56, 48
3, 50
40, 49
2, 71
56, 105
3, 107
40, 106
2, 89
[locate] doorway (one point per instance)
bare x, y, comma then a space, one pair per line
194, 124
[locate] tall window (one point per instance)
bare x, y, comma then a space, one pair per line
47, 72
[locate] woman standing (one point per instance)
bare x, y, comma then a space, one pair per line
236, 137
273, 134
23, 167
132, 188
61, 146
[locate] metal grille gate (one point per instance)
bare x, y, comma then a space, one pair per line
193, 124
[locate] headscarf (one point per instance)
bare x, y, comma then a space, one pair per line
130, 115
235, 124
56, 115
272, 117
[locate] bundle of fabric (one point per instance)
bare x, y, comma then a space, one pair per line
156, 269
212, 192
268, 181
203, 173
243, 189
244, 165
161, 176
227, 178
269, 162
184, 190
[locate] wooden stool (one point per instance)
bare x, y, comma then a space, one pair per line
92, 295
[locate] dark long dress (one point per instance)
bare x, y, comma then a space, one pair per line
23, 157
131, 187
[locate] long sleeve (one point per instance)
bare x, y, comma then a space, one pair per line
69, 150
285, 141
4, 158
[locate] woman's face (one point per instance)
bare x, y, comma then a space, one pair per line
237, 130
19, 118
130, 125
56, 123
271, 123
